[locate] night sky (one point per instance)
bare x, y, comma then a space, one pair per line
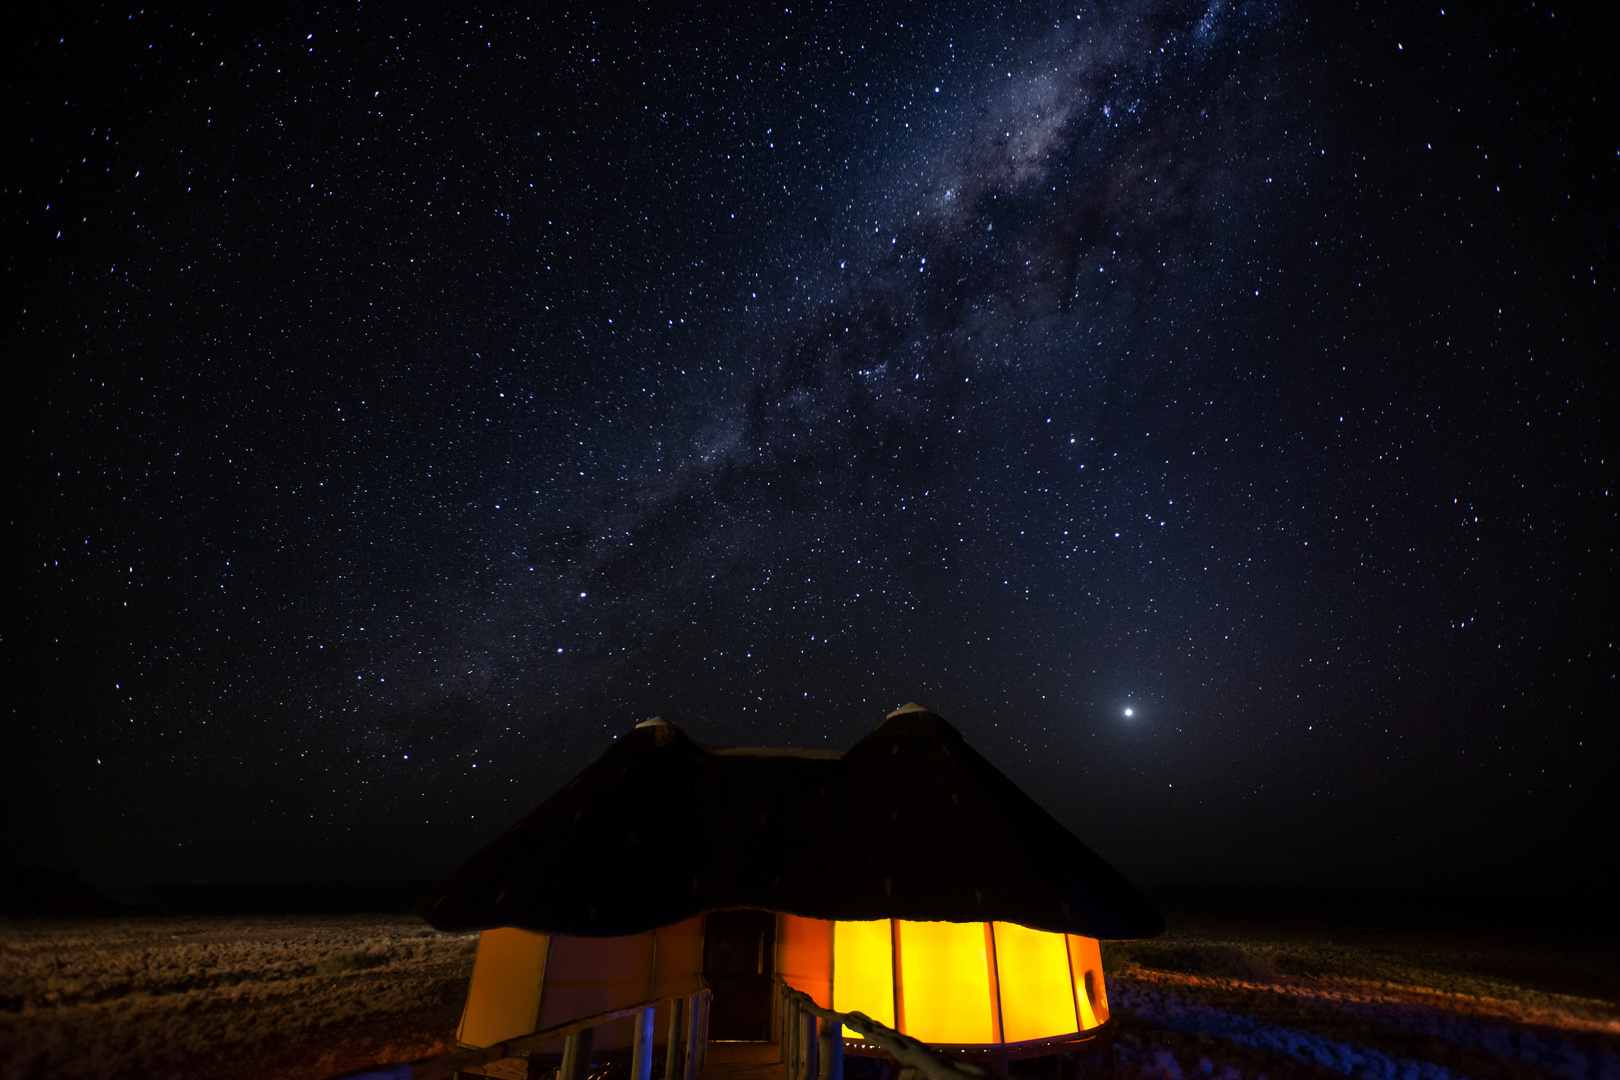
1204, 408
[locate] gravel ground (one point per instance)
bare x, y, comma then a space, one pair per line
1408, 1007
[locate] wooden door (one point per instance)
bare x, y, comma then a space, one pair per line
739, 960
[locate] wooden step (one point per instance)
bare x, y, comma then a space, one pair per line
743, 1061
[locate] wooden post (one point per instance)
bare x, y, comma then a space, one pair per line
831, 1051
641, 1061
691, 1066
807, 1040
576, 1058
790, 1044
703, 1034
674, 1046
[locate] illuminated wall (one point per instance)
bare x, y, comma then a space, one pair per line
504, 998
523, 982
943, 983
949, 983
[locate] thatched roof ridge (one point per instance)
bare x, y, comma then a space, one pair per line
910, 823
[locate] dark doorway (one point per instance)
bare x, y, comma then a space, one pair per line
739, 960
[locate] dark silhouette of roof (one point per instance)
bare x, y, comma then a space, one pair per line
909, 823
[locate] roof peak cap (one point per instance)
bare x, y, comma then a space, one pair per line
907, 708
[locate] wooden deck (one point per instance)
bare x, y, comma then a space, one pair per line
743, 1061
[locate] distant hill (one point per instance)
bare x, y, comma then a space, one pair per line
284, 897
33, 892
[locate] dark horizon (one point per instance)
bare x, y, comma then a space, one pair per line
1200, 406
1358, 900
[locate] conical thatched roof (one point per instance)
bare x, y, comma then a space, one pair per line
909, 823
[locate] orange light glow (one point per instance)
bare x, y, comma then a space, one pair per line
1085, 960
945, 981
504, 998
1037, 995
863, 969
953, 983
950, 986
804, 956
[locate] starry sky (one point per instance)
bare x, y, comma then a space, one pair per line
1202, 406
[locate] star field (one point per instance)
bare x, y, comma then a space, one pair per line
1202, 407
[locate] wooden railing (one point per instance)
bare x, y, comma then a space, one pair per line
812, 1051
683, 1057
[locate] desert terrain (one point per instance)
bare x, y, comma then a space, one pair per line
1232, 1001
1225, 998
244, 998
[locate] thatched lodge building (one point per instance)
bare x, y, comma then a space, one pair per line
906, 878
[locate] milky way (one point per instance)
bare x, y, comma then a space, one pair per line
1118, 144
1194, 403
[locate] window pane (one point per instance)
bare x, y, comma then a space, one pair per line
863, 969
945, 982
1037, 995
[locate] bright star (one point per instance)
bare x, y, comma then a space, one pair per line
1130, 712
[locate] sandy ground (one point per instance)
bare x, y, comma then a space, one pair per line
307, 997
287, 997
